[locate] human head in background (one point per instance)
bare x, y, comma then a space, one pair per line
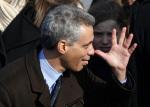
108, 15
67, 34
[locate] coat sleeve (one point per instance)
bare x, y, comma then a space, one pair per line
108, 93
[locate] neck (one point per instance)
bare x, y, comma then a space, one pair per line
53, 59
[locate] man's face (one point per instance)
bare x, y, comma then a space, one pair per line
103, 35
78, 54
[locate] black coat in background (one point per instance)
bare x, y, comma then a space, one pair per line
20, 37
140, 26
2, 52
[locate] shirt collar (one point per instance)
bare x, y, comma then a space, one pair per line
49, 73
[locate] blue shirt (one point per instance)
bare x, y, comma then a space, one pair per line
49, 73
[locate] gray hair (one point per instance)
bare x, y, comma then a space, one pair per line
64, 22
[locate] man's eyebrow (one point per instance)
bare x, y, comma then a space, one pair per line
88, 43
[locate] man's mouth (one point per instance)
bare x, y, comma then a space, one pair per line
85, 62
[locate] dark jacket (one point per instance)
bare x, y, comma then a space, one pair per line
100, 68
22, 85
140, 26
2, 52
20, 37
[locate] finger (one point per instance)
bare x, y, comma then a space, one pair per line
127, 41
132, 48
101, 54
122, 35
114, 38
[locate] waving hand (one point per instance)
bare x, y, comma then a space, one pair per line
119, 54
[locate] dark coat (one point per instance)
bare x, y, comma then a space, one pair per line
20, 37
140, 26
100, 68
2, 52
22, 85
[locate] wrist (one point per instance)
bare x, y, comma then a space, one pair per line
120, 74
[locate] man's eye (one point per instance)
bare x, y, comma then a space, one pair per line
85, 47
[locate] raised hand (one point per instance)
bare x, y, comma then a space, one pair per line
119, 54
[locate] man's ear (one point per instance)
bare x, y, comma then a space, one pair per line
62, 46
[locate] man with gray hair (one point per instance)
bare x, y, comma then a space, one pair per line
56, 74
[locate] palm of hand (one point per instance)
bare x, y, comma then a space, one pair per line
118, 57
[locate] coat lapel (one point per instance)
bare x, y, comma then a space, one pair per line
44, 98
38, 84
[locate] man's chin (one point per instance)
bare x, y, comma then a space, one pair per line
80, 68
77, 69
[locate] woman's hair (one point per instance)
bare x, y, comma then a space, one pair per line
42, 6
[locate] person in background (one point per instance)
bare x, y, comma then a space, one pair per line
108, 15
23, 34
67, 36
9, 10
141, 29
